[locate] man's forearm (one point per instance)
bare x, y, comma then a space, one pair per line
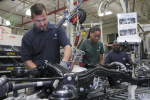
101, 62
131, 62
29, 64
101, 59
67, 53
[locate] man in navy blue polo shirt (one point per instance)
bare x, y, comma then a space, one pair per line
117, 56
43, 41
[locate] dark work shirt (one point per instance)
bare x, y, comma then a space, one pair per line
39, 46
121, 57
92, 51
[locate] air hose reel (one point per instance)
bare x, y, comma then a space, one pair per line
81, 16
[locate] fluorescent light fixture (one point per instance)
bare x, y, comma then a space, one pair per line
107, 13
28, 12
7, 22
65, 24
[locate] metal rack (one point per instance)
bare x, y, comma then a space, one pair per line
10, 56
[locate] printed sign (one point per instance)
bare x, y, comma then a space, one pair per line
127, 24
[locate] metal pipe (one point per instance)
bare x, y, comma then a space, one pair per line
133, 4
68, 22
33, 79
126, 6
23, 1
58, 4
25, 23
100, 6
4, 72
25, 85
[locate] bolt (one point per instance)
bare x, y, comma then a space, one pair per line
69, 78
48, 90
46, 61
81, 89
91, 86
118, 81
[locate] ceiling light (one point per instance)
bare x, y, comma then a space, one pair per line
28, 12
7, 22
107, 13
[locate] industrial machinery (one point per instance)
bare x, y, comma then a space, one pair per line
10, 57
60, 84
57, 83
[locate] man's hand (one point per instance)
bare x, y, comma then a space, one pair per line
29, 64
35, 72
64, 64
134, 64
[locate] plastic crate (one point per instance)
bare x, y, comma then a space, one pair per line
8, 50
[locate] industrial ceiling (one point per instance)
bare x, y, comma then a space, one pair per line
14, 11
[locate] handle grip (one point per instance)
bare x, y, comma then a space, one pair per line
71, 65
76, 40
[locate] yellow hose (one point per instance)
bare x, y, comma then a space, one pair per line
67, 4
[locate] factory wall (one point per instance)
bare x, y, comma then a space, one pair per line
11, 39
108, 30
